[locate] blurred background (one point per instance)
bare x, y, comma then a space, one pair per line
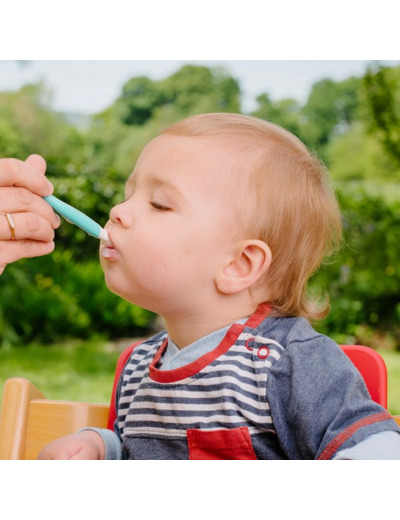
60, 326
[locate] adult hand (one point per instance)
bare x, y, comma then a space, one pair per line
30, 231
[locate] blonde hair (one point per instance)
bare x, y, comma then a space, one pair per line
295, 212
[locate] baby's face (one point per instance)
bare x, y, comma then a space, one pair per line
175, 229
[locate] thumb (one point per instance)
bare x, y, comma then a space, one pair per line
37, 162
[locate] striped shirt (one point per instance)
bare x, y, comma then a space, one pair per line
253, 396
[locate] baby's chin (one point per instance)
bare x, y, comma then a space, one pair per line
111, 280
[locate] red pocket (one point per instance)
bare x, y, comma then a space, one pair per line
220, 444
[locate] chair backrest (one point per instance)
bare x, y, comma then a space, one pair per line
372, 367
369, 363
29, 421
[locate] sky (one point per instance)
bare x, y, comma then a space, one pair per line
90, 86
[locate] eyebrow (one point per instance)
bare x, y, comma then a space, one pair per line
154, 181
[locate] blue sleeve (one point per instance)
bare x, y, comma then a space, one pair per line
381, 446
319, 402
112, 443
112, 439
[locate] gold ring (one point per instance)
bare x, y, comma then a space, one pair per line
11, 225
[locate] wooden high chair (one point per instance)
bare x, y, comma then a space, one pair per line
29, 421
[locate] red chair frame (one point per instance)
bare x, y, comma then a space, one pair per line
122, 360
372, 367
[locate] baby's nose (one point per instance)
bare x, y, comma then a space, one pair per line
120, 214
114, 214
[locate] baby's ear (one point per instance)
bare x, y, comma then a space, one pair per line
246, 268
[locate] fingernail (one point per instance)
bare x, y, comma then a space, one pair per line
57, 220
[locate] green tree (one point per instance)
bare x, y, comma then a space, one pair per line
195, 89
140, 96
358, 159
382, 92
28, 125
190, 90
364, 279
331, 107
284, 112
119, 133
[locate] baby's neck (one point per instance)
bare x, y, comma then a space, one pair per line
188, 329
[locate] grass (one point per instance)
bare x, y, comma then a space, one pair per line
84, 371
392, 360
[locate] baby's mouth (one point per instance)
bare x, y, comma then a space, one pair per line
109, 252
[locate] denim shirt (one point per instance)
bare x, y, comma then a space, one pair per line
318, 403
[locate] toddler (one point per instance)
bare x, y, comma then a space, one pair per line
225, 219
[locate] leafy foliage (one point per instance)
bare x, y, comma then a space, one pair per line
382, 90
353, 125
364, 279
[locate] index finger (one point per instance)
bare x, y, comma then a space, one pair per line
14, 172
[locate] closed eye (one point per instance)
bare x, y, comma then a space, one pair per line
159, 207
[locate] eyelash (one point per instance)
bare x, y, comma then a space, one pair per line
158, 207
